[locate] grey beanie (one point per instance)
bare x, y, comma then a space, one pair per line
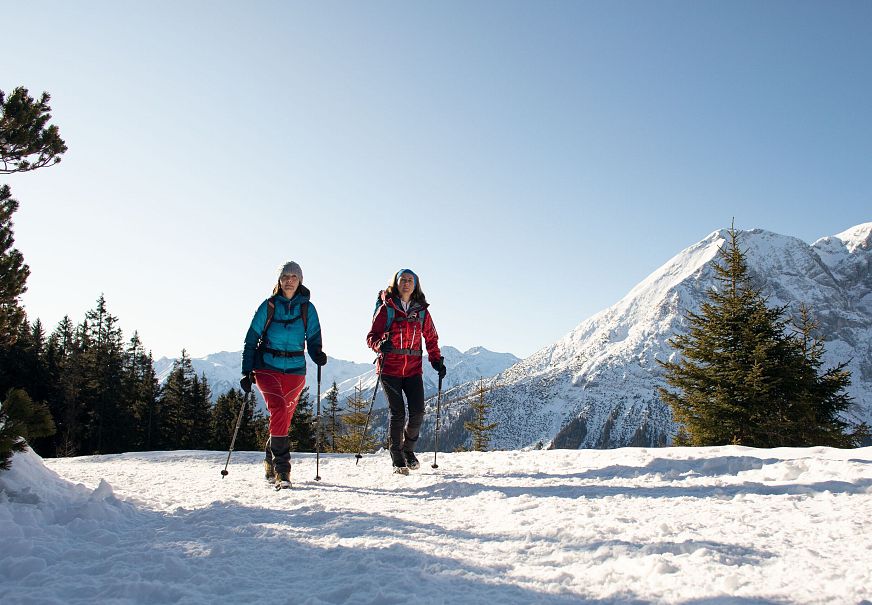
291, 268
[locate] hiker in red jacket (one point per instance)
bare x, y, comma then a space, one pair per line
397, 327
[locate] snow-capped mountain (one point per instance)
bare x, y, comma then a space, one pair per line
596, 387
224, 369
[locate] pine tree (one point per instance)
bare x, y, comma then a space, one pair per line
302, 429
62, 364
171, 424
225, 413
13, 272
26, 141
821, 396
21, 420
480, 429
332, 411
141, 388
109, 419
742, 378
198, 414
355, 421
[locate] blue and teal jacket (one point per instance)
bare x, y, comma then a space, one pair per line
283, 344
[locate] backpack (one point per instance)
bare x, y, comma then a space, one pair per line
270, 311
379, 301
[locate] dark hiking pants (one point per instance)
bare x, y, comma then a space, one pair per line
403, 435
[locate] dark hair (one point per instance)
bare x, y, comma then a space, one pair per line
417, 294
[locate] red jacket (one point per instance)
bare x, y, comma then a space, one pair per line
406, 331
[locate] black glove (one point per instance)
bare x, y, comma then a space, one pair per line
439, 366
320, 357
385, 346
245, 383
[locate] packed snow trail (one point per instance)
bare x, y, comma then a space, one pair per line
675, 525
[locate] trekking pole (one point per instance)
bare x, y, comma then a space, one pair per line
233, 441
318, 431
358, 455
436, 438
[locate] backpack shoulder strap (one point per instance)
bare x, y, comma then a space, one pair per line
270, 311
304, 313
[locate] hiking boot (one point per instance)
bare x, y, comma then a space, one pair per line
269, 471
399, 462
412, 461
283, 480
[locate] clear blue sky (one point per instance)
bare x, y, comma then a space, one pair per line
532, 161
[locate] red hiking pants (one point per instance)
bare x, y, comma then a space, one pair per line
281, 392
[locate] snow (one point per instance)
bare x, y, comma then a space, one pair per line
857, 237
633, 525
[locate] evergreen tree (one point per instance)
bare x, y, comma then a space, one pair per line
479, 427
13, 274
821, 398
109, 419
333, 420
65, 379
198, 414
171, 426
20, 420
355, 421
140, 392
742, 378
302, 429
26, 141
225, 413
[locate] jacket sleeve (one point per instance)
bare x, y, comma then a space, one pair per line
252, 336
431, 338
313, 332
377, 331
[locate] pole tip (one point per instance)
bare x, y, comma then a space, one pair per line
434, 466
223, 473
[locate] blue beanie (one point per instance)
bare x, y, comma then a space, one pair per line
409, 271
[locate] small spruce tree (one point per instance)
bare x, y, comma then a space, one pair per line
355, 422
479, 427
333, 419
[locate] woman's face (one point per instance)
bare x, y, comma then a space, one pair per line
289, 284
406, 285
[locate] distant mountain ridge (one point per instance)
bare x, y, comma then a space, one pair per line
223, 371
596, 386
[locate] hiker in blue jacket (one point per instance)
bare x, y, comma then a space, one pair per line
284, 325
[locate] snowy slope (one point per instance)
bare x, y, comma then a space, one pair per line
596, 387
224, 369
675, 525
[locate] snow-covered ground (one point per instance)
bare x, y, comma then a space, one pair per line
708, 525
